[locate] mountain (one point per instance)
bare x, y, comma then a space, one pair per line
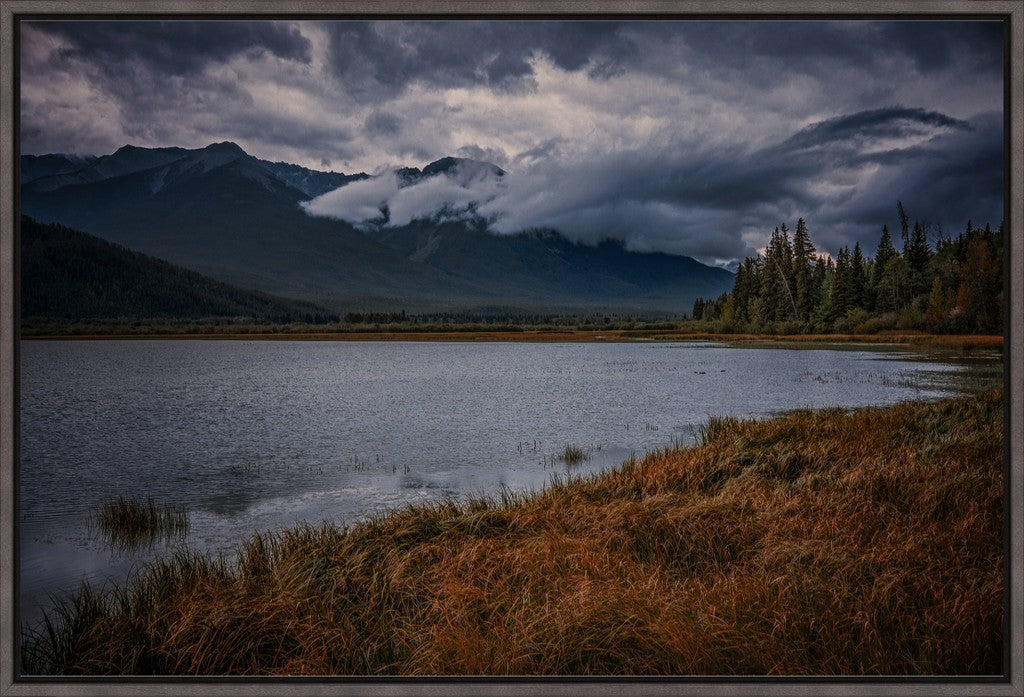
460, 169
35, 166
309, 181
66, 274
538, 264
221, 212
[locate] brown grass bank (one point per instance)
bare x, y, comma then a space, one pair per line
825, 542
477, 333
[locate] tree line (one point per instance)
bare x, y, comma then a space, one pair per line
955, 287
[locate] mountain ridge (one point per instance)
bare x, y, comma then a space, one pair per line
224, 213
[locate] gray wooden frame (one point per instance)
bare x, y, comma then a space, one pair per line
1011, 684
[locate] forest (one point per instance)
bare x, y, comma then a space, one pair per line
68, 275
952, 287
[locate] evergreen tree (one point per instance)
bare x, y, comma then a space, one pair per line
918, 255
741, 291
777, 295
698, 308
858, 277
842, 286
883, 255
803, 276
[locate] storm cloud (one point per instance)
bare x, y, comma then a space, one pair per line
693, 136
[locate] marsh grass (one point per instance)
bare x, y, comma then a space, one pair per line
829, 542
573, 455
129, 523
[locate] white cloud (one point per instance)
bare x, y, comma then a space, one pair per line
357, 202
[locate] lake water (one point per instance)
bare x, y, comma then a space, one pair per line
259, 435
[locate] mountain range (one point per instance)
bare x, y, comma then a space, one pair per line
224, 213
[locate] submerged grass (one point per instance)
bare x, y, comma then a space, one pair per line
573, 455
863, 542
129, 523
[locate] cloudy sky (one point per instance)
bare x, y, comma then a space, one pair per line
692, 137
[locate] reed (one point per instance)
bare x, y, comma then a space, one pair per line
131, 523
832, 542
573, 455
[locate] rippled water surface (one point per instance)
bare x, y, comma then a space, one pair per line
258, 435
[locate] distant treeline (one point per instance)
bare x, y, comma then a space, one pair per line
510, 319
957, 287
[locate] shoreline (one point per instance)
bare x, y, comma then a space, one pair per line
956, 341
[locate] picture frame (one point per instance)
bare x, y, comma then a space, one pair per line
1012, 683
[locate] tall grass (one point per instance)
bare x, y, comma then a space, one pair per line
819, 542
129, 523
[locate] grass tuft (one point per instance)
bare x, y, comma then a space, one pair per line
130, 523
573, 455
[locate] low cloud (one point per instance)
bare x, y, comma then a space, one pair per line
389, 200
843, 175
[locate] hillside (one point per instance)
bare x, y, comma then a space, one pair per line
66, 274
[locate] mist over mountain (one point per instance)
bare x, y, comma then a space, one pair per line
414, 238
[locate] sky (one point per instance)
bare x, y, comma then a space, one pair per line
690, 137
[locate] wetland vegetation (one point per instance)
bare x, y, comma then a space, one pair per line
859, 542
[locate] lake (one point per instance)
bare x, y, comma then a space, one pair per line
259, 435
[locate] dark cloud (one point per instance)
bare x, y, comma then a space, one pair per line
379, 58
382, 123
813, 46
375, 59
935, 46
175, 47
889, 122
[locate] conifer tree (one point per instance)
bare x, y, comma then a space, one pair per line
884, 253
841, 286
858, 277
803, 276
917, 256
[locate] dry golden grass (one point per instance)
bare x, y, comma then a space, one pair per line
829, 542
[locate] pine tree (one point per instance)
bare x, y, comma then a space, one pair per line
858, 277
883, 255
803, 278
885, 251
776, 293
918, 255
842, 287
698, 308
741, 292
